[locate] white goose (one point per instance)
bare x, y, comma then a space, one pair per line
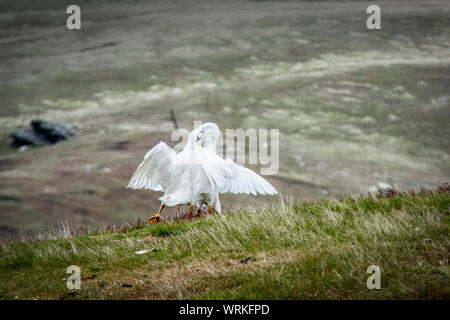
196, 175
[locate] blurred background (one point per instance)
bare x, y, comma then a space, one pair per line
356, 109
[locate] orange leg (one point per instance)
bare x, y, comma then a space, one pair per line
210, 209
191, 209
156, 218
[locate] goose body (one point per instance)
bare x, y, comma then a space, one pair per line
196, 175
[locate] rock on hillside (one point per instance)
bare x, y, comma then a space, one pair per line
43, 133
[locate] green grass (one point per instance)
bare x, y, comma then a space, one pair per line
313, 71
310, 250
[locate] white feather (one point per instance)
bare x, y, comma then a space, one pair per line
197, 173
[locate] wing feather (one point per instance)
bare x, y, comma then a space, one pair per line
154, 171
228, 176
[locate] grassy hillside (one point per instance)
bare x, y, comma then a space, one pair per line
354, 107
309, 250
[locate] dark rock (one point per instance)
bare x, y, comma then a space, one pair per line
43, 133
27, 137
126, 285
54, 131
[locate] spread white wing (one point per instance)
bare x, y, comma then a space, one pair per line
228, 176
154, 172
